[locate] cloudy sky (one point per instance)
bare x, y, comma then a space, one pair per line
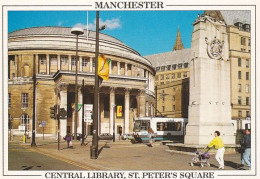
148, 32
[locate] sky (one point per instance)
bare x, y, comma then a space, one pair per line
147, 32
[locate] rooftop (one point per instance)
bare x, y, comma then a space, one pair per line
169, 58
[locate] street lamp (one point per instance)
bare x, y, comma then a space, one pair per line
76, 31
94, 147
114, 122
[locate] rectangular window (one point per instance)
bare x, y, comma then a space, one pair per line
167, 77
239, 74
239, 100
186, 65
249, 42
168, 67
180, 65
42, 59
161, 77
247, 75
163, 108
247, 100
84, 62
185, 74
9, 100
173, 107
168, 126
247, 88
239, 113
243, 41
247, 113
239, 87
157, 68
24, 100
247, 63
239, 62
174, 66
53, 59
73, 61
179, 75
163, 68
173, 98
173, 76
64, 60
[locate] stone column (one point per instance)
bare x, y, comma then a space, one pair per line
63, 104
112, 103
127, 115
48, 64
110, 67
125, 69
58, 61
118, 68
80, 63
16, 58
142, 103
91, 64
69, 62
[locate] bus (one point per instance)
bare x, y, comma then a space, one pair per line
164, 128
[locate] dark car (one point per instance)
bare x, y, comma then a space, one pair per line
105, 136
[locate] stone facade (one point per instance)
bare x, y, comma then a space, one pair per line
52, 50
240, 58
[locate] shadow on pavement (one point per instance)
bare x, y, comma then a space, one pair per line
232, 164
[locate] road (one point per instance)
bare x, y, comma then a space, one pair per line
21, 158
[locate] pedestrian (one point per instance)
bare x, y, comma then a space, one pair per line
246, 148
68, 139
219, 146
120, 132
151, 136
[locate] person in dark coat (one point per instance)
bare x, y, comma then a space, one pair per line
246, 147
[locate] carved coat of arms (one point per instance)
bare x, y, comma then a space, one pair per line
214, 48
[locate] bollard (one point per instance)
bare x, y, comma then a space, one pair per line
24, 138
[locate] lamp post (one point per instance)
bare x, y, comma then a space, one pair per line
114, 123
94, 147
76, 31
33, 144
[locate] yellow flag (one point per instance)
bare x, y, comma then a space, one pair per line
119, 112
103, 67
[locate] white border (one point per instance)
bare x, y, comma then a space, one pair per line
27, 5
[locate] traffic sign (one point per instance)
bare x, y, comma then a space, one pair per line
88, 110
43, 123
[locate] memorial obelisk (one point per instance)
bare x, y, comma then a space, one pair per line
209, 106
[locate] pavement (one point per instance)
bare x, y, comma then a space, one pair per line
122, 155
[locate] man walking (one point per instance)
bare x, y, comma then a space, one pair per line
219, 146
246, 146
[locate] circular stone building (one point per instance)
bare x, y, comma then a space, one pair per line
51, 53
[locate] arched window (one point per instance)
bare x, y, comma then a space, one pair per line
25, 121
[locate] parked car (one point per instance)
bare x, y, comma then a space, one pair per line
79, 136
127, 137
105, 136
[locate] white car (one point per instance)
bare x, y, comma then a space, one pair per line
127, 136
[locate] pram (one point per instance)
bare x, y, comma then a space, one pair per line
201, 158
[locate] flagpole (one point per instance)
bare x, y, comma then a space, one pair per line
87, 25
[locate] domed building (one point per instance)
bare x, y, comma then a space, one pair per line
51, 53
